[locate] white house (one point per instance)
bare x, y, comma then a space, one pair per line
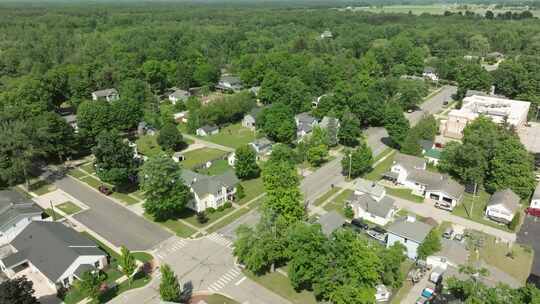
207, 130
181, 116
304, 124
403, 164
250, 119
107, 94
179, 96
210, 191
382, 293
327, 35
366, 207
178, 157
371, 188
50, 250
326, 121
16, 212
408, 232
71, 119
502, 206
430, 73
446, 193
452, 254
229, 83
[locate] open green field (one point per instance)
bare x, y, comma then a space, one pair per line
201, 156
281, 285
218, 167
232, 136
147, 145
405, 194
438, 9
41, 187
252, 189
474, 208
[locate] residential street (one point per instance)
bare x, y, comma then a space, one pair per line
111, 221
433, 104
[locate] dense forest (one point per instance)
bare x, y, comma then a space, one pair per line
53, 57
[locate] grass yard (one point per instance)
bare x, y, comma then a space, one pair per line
386, 151
477, 215
125, 198
179, 228
219, 299
405, 194
252, 189
400, 294
227, 220
191, 217
89, 168
41, 187
77, 173
338, 203
147, 145
218, 167
326, 196
143, 257
92, 181
69, 208
232, 136
281, 285
201, 156
380, 169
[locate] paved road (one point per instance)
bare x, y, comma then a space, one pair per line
205, 264
529, 235
111, 221
432, 105
250, 219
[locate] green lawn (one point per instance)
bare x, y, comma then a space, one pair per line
92, 181
89, 168
41, 187
400, 294
326, 196
143, 256
191, 217
181, 229
338, 203
232, 136
380, 169
201, 156
252, 189
227, 220
219, 299
404, 194
281, 285
147, 145
383, 154
477, 215
57, 216
69, 208
218, 167
125, 198
77, 173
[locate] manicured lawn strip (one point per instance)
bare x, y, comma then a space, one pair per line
69, 208
147, 145
103, 247
89, 167
338, 203
41, 187
232, 136
181, 229
325, 196
404, 194
57, 216
219, 299
201, 156
77, 173
400, 294
125, 198
191, 217
92, 181
73, 296
143, 257
480, 203
281, 285
252, 189
383, 154
227, 220
380, 169
218, 167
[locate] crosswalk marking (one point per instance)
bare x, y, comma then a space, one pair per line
218, 238
225, 279
172, 247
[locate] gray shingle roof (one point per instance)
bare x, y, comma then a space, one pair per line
416, 231
51, 247
262, 143
14, 205
369, 187
425, 144
409, 162
424, 177
448, 186
233, 80
106, 92
180, 94
429, 70
369, 205
507, 198
203, 185
331, 221
326, 120
255, 112
208, 128
305, 118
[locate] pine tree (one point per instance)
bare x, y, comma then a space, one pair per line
169, 288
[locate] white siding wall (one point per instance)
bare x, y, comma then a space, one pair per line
500, 212
8, 235
91, 260
402, 173
441, 196
412, 246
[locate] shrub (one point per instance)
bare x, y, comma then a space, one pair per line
221, 208
348, 211
513, 225
227, 205
240, 192
210, 210
202, 218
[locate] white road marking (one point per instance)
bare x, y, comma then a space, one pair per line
240, 281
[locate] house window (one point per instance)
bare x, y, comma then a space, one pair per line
405, 241
66, 282
96, 264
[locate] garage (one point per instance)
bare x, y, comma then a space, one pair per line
434, 196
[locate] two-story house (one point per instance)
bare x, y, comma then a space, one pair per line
304, 124
250, 119
210, 191
369, 202
16, 212
178, 96
409, 232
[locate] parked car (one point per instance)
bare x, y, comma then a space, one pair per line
377, 235
448, 233
458, 237
105, 190
358, 222
428, 292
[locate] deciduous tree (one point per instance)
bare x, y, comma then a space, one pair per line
246, 163
114, 158
17, 291
170, 138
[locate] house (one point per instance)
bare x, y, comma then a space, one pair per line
445, 192
58, 255
409, 232
145, 129
178, 157
402, 165
364, 186
263, 146
71, 120
16, 212
430, 73
210, 191
326, 120
426, 145
452, 254
367, 207
326, 35
331, 221
250, 119
229, 84
207, 130
181, 116
433, 156
382, 293
255, 91
304, 124
496, 56
499, 110
107, 94
179, 95
231, 159
502, 206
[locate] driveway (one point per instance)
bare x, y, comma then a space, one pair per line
111, 221
530, 235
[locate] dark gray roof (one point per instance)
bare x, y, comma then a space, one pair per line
507, 198
409, 161
209, 128
448, 186
369, 187
425, 177
326, 120
51, 247
331, 221
233, 80
429, 70
305, 127
369, 205
425, 144
180, 94
203, 185
13, 206
305, 118
262, 143
416, 231
106, 92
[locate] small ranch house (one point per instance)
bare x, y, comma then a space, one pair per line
366, 207
446, 193
207, 130
409, 232
502, 206
107, 94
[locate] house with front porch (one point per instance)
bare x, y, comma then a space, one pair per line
502, 206
210, 191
